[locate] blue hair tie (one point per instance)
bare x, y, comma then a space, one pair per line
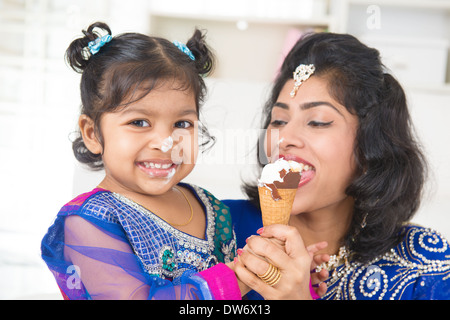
95, 45
183, 48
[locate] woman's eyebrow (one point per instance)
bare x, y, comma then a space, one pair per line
308, 105
281, 105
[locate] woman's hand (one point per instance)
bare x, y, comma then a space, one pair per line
318, 278
293, 260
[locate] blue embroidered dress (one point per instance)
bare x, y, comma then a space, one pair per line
103, 245
418, 268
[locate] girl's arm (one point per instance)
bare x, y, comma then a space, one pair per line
107, 268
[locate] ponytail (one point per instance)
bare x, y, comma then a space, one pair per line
77, 54
204, 57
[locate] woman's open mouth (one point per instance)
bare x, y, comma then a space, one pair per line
307, 170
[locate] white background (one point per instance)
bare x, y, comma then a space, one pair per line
39, 98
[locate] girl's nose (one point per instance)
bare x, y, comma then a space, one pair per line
161, 141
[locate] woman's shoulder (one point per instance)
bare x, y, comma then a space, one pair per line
417, 268
423, 258
424, 245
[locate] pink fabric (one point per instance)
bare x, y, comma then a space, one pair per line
292, 36
78, 201
314, 295
222, 282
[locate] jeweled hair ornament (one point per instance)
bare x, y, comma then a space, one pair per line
183, 48
95, 45
301, 74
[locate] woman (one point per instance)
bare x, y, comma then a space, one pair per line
346, 119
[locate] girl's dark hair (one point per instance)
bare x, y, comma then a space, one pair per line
391, 168
127, 68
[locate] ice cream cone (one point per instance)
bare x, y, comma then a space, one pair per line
279, 211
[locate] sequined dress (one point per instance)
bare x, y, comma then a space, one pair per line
122, 238
418, 268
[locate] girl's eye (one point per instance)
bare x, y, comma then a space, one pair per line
320, 124
140, 123
183, 124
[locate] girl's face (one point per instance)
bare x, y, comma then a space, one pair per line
151, 144
314, 129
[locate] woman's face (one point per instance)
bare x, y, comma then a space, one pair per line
314, 129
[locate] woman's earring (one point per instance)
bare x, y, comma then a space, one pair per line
362, 226
364, 223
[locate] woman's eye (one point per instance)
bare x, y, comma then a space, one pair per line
183, 124
319, 124
277, 123
140, 123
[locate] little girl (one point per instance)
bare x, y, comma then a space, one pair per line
141, 234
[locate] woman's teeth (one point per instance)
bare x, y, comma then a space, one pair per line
305, 167
155, 165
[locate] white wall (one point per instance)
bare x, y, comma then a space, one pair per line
430, 113
37, 169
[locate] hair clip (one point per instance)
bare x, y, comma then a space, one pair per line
301, 74
95, 45
183, 48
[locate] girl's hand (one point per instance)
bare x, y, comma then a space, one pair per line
294, 263
242, 286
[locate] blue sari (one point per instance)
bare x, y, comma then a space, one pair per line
416, 269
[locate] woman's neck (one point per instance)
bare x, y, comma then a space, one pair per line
329, 224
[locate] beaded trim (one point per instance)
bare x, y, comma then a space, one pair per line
389, 275
185, 248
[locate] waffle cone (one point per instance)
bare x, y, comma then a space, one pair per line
276, 212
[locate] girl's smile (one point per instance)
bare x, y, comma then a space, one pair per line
158, 168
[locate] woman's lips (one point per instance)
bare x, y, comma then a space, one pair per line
158, 168
306, 177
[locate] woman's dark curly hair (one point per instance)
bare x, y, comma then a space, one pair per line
126, 69
391, 168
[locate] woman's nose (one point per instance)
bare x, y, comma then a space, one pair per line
290, 137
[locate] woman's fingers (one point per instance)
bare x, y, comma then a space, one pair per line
242, 266
316, 247
271, 250
319, 277
294, 245
254, 262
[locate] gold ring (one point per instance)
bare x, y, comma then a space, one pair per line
271, 276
